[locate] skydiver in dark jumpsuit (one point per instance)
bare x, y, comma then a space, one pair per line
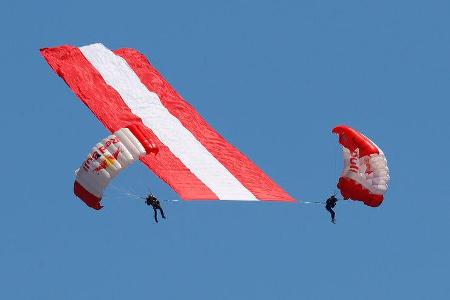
154, 202
330, 204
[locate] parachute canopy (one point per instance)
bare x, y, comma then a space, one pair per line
366, 174
107, 159
122, 88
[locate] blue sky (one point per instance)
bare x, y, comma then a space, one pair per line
273, 77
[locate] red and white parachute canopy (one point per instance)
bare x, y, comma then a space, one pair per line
107, 159
122, 88
366, 174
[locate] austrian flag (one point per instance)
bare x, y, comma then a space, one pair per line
123, 89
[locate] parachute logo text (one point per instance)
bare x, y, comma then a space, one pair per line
108, 161
103, 149
354, 161
92, 157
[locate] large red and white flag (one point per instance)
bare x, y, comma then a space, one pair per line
122, 88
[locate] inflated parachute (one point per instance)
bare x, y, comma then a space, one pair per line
365, 176
107, 159
122, 88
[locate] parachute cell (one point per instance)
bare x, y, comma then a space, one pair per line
106, 160
365, 176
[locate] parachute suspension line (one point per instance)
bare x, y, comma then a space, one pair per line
150, 191
134, 196
335, 163
336, 172
125, 192
144, 182
312, 202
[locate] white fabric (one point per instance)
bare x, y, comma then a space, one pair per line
132, 149
372, 171
137, 145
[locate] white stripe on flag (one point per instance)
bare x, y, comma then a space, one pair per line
169, 130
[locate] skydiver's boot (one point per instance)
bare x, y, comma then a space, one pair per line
162, 213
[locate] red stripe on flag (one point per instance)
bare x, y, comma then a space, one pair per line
250, 175
108, 106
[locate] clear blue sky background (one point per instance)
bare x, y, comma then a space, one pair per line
273, 77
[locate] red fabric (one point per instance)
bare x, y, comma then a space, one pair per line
88, 198
351, 189
139, 133
250, 175
352, 139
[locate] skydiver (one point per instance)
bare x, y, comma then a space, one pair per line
330, 204
154, 202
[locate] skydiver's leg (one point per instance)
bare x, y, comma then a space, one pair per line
331, 211
162, 213
155, 215
333, 214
